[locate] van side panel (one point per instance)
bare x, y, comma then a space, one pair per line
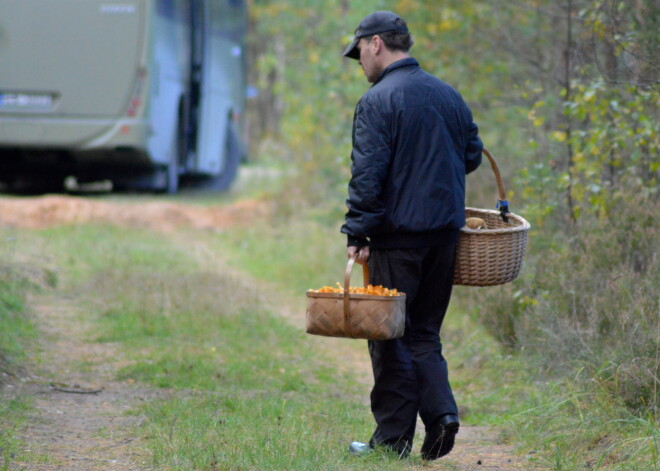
84, 52
68, 68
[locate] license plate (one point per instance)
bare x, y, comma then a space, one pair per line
26, 101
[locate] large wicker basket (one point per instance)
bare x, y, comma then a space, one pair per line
491, 256
357, 316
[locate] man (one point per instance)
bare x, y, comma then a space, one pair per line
413, 143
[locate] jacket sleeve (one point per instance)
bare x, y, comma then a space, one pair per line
473, 149
371, 157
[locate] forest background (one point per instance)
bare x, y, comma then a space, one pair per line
566, 94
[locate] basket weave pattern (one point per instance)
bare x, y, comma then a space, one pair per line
371, 317
492, 256
357, 316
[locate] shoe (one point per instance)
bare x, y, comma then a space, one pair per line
359, 449
440, 436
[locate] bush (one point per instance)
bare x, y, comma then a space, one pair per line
589, 302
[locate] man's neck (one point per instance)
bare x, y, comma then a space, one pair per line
393, 57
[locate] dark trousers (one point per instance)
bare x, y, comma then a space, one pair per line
410, 373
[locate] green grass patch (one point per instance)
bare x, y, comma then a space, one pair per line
243, 389
16, 329
297, 256
260, 430
82, 253
12, 416
252, 393
17, 336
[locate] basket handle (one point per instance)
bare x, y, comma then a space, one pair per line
502, 203
347, 285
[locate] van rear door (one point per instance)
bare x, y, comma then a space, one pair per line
70, 58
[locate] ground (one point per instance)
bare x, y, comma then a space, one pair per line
80, 420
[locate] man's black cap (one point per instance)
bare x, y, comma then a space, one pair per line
376, 22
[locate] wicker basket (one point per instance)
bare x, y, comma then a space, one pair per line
491, 256
357, 316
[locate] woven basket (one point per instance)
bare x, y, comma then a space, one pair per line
357, 316
491, 256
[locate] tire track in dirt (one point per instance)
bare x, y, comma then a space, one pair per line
88, 431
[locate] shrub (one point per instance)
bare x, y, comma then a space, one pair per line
589, 301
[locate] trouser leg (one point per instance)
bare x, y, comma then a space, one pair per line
410, 373
427, 313
394, 399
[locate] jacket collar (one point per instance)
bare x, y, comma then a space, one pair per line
407, 62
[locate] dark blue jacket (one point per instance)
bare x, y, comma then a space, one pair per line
413, 143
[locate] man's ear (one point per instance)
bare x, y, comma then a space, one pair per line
377, 44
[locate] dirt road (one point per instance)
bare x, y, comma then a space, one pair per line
80, 420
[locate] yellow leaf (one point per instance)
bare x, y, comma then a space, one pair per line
559, 136
448, 24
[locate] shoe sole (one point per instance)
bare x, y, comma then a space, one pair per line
442, 445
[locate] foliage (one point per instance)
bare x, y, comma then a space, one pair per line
566, 94
593, 304
598, 120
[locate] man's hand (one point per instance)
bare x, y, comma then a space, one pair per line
363, 254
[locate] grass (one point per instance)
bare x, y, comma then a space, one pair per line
242, 389
16, 328
13, 413
564, 422
17, 336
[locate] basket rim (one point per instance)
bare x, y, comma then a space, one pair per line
370, 297
522, 226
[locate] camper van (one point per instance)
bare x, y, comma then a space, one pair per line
142, 93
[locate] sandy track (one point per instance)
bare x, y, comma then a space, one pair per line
52, 210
